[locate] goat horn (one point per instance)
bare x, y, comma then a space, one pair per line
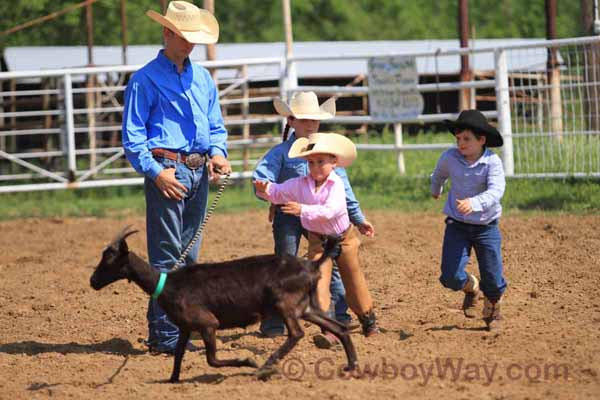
123, 234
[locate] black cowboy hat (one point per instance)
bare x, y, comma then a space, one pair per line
476, 121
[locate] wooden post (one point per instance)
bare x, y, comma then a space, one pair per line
2, 122
292, 78
90, 84
245, 111
12, 141
465, 71
553, 73
211, 50
400, 154
365, 106
589, 19
124, 32
48, 139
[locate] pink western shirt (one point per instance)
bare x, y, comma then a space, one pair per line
323, 211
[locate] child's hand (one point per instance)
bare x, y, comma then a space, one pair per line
292, 208
464, 206
367, 229
261, 186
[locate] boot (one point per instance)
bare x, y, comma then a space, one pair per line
471, 290
491, 314
368, 322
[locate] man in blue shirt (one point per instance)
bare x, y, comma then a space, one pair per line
174, 135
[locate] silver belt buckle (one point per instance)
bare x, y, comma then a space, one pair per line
194, 160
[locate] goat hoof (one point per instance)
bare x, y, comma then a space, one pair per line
264, 373
174, 380
251, 363
349, 367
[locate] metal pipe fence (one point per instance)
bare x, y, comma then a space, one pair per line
544, 98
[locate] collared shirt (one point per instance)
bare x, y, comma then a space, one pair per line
323, 210
175, 111
277, 167
482, 183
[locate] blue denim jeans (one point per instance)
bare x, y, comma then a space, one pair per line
459, 239
170, 226
287, 232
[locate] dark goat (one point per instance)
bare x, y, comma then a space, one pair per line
237, 293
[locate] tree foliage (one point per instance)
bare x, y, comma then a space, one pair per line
261, 20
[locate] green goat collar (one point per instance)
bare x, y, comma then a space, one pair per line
160, 286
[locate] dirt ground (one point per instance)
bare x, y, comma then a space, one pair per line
61, 339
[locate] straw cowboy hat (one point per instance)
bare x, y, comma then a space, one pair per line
476, 121
325, 143
194, 24
305, 105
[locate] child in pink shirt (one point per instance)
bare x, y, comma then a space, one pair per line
319, 200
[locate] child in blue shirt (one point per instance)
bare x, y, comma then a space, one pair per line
304, 115
473, 210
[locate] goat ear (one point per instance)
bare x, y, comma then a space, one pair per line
123, 248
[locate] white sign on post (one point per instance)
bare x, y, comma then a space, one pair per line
393, 90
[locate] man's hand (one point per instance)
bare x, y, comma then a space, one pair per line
261, 186
170, 187
217, 166
292, 208
464, 206
367, 229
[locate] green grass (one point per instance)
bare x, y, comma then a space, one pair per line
106, 202
374, 178
386, 191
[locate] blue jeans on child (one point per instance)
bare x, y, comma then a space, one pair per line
459, 239
287, 232
170, 226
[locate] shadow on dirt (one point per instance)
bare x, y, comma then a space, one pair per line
112, 346
47, 387
453, 327
207, 379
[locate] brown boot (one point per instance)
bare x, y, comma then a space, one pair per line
491, 314
368, 322
471, 290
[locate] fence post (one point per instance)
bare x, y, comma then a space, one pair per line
503, 108
399, 154
245, 112
291, 77
69, 128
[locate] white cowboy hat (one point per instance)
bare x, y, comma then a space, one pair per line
305, 105
194, 24
325, 143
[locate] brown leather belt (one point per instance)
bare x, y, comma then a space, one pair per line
192, 161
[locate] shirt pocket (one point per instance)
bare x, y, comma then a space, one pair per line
475, 179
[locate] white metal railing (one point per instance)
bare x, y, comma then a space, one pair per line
539, 141
77, 119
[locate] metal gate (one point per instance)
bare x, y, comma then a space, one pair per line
61, 128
